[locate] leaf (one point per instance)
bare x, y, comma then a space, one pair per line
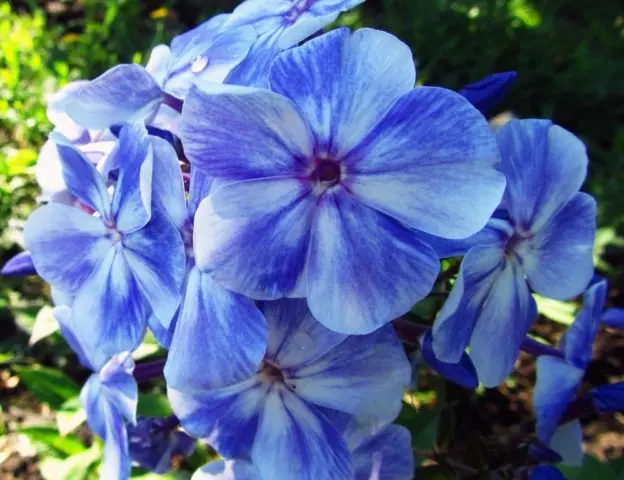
49, 385
76, 467
560, 312
45, 325
6, 357
592, 468
153, 405
436, 472
49, 437
70, 416
423, 423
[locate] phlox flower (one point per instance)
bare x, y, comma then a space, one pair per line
558, 379
117, 259
109, 396
540, 238
151, 94
288, 418
326, 182
380, 451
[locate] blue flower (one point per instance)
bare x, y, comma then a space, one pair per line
541, 237
122, 262
109, 396
488, 92
608, 398
558, 379
20, 264
288, 417
226, 329
379, 451
326, 182
206, 54
153, 444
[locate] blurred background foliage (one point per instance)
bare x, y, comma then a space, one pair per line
569, 55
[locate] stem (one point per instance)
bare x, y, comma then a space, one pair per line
410, 331
173, 102
148, 370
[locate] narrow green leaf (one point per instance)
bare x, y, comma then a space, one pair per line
49, 385
49, 437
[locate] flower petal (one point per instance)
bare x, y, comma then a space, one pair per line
296, 338
430, 164
226, 418
545, 166
240, 133
252, 236
567, 441
85, 348
507, 313
387, 455
546, 472
116, 461
363, 375
295, 440
132, 199
344, 82
559, 263
119, 386
578, 340
490, 91
81, 177
351, 288
19, 265
110, 307
555, 387
199, 188
185, 48
608, 398
155, 255
453, 328
254, 70
613, 317
462, 373
168, 185
105, 101
217, 331
227, 470
67, 245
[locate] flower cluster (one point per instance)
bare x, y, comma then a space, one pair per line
266, 206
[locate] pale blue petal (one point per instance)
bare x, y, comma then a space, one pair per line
462, 373
217, 331
106, 101
363, 375
155, 255
118, 385
132, 199
158, 63
608, 398
295, 440
227, 470
503, 322
296, 337
555, 387
351, 288
567, 441
196, 41
386, 456
82, 178
254, 70
253, 236
162, 334
545, 166
578, 340
167, 183
20, 264
613, 317
306, 25
558, 261
67, 245
240, 133
343, 83
360, 429
227, 418
116, 462
85, 347
199, 188
264, 16
93, 404
110, 306
431, 145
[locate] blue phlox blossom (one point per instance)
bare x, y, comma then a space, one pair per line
224, 328
153, 444
558, 379
152, 94
489, 91
117, 258
379, 451
541, 238
343, 159
287, 418
462, 373
281, 24
109, 396
20, 264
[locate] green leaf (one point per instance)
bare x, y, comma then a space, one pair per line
49, 437
6, 357
70, 416
153, 405
76, 467
49, 385
560, 312
422, 423
591, 469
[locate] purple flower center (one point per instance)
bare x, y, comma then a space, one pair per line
517, 244
271, 373
327, 171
